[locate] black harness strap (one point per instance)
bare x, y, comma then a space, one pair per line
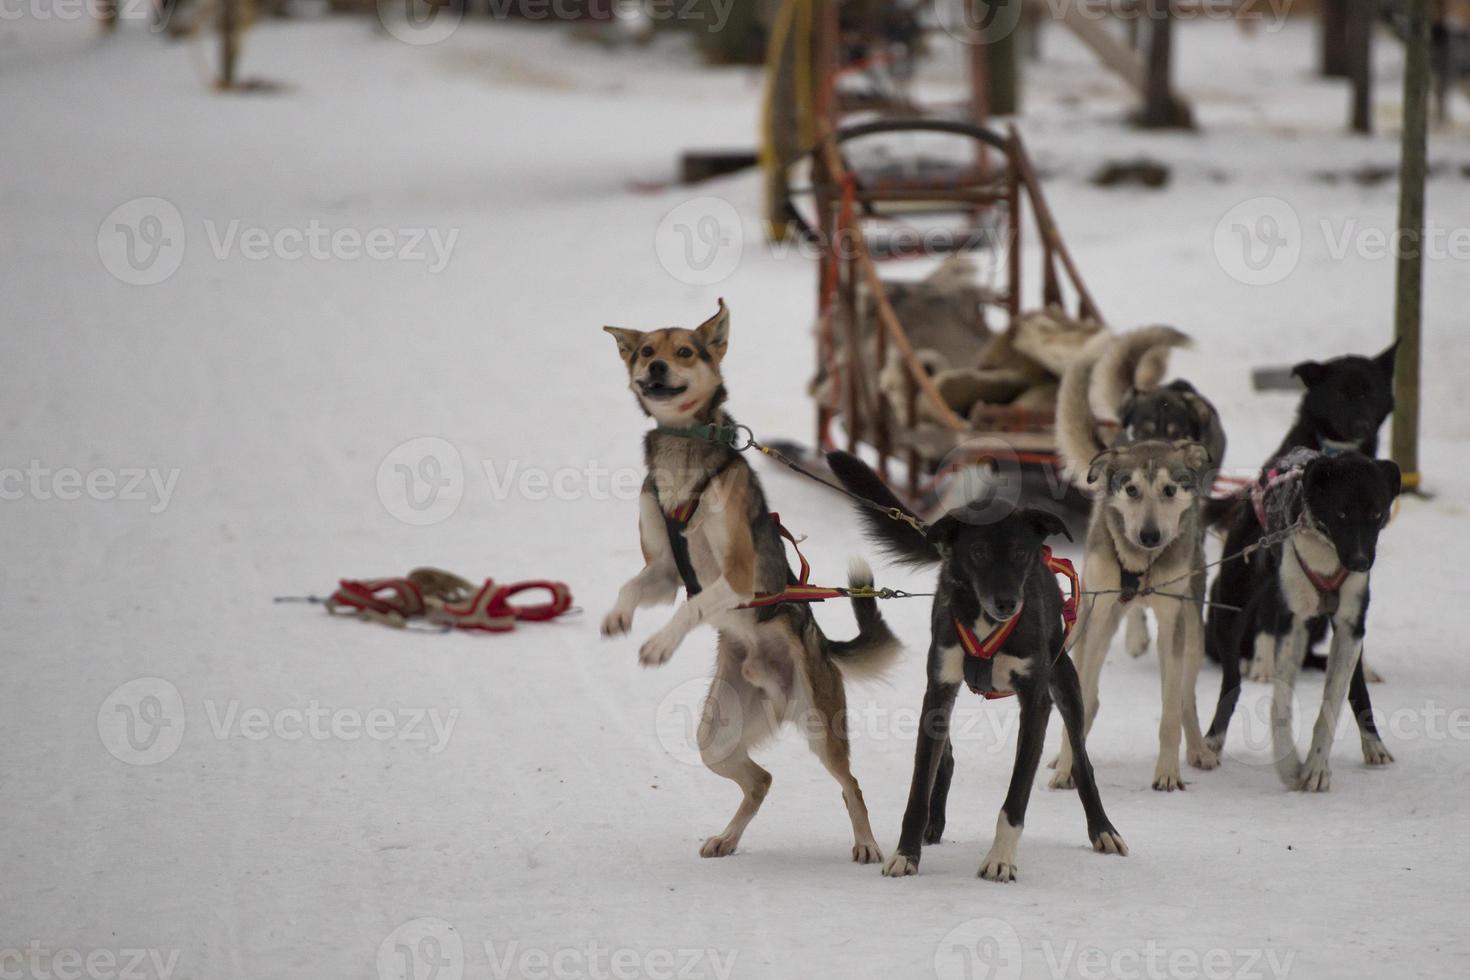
677, 521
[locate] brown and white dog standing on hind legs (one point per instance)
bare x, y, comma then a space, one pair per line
704, 525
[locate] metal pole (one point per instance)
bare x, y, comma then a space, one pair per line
1408, 286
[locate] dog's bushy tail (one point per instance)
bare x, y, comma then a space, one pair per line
875, 648
899, 540
1076, 434
1134, 361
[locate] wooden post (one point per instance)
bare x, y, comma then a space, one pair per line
229, 42
1361, 17
1002, 85
1408, 284
1160, 109
1336, 62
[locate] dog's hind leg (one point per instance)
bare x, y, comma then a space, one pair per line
1171, 685
1067, 691
1226, 649
827, 736
1135, 635
939, 797
928, 757
1375, 753
1094, 635
736, 717
1000, 861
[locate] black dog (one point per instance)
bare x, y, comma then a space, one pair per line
1334, 507
1346, 402
995, 585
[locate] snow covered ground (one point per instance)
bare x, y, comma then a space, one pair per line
230, 789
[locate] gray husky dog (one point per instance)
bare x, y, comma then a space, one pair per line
1111, 395
1145, 533
704, 525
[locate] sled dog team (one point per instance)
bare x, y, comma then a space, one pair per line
1297, 559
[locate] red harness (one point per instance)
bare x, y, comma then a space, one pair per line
987, 648
1327, 586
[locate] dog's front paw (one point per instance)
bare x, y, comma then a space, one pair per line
659, 648
1109, 841
1375, 753
617, 623
720, 846
1062, 779
900, 866
866, 852
1215, 743
1167, 781
1203, 757
1371, 676
1315, 778
998, 868
1260, 670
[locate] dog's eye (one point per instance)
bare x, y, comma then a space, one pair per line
1131, 490
685, 353
1342, 515
1377, 516
646, 352
1170, 490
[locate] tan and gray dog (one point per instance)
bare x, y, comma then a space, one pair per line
1145, 533
705, 527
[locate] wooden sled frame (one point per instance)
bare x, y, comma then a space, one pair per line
847, 263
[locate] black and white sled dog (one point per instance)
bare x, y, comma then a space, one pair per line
1330, 509
1345, 404
995, 584
704, 525
1146, 529
1111, 395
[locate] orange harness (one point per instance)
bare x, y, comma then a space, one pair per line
986, 649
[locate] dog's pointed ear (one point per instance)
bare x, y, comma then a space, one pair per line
1384, 361
1196, 456
1392, 476
942, 532
1310, 372
714, 333
1101, 465
628, 341
1045, 523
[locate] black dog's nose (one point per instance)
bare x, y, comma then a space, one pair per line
658, 369
1362, 428
1005, 610
1359, 563
1149, 537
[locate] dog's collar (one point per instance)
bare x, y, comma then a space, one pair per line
1329, 587
725, 433
1336, 447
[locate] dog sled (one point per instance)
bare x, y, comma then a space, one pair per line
951, 371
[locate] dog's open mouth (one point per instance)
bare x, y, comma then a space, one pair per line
661, 390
